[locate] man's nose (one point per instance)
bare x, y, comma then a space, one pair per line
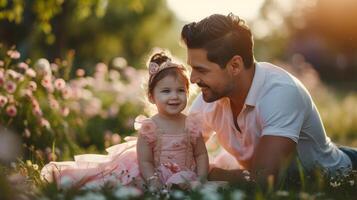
193, 77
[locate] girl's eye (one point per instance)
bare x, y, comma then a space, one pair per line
182, 90
165, 91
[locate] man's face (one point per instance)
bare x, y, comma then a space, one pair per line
214, 81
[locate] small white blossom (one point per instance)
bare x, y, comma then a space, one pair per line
127, 192
91, 196
237, 195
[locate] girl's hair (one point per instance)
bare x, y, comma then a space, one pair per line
164, 68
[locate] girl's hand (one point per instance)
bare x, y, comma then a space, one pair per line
195, 184
154, 185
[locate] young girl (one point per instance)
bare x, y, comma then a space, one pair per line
169, 150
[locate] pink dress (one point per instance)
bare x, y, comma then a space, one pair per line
173, 160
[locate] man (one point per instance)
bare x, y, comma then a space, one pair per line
262, 115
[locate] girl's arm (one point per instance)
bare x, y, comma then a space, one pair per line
146, 162
201, 157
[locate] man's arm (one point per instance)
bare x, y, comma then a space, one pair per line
271, 158
272, 155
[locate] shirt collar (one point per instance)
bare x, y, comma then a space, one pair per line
257, 84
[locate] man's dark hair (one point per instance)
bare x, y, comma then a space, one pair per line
222, 37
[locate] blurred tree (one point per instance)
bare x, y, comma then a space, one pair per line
323, 31
97, 30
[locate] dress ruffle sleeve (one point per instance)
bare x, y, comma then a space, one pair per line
146, 128
194, 126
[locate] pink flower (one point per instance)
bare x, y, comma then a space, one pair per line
32, 86
67, 93
60, 84
31, 73
54, 104
47, 83
2, 63
13, 54
101, 67
153, 68
65, 111
10, 87
3, 101
2, 80
44, 123
11, 110
23, 66
54, 67
80, 72
116, 138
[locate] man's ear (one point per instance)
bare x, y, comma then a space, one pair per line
236, 64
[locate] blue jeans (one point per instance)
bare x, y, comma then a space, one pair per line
351, 153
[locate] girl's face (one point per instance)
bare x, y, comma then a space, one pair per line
169, 95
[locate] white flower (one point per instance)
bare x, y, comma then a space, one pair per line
335, 184
352, 182
177, 194
35, 166
91, 196
43, 67
237, 195
127, 192
119, 62
282, 193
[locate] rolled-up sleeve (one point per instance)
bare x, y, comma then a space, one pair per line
282, 112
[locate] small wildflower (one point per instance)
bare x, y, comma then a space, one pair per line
352, 182
32, 86
23, 65
2, 78
65, 111
54, 67
282, 193
119, 62
127, 192
43, 67
10, 87
80, 72
3, 101
54, 104
35, 166
13, 54
237, 195
90, 196
31, 73
101, 67
28, 163
2, 63
335, 184
37, 111
27, 133
116, 138
44, 123
11, 110
60, 84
